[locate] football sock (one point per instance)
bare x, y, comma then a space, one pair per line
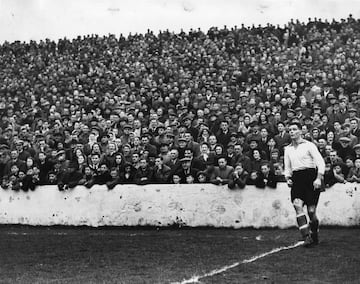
314, 226
303, 224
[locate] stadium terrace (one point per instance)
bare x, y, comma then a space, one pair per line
193, 107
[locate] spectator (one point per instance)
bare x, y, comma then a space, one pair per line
333, 174
110, 154
176, 179
223, 135
128, 175
161, 171
23, 154
87, 177
256, 160
20, 164
185, 170
70, 178
354, 125
222, 172
195, 163
164, 152
206, 158
238, 178
136, 160
204, 135
239, 157
102, 177
145, 140
266, 177
144, 174
344, 148
174, 164
202, 177
212, 143
194, 146
95, 163
356, 150
93, 105
354, 172
114, 174
52, 178
252, 178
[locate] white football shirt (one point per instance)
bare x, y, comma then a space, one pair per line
302, 156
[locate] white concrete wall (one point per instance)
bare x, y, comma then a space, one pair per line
164, 205
39, 19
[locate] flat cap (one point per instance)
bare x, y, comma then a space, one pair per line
345, 139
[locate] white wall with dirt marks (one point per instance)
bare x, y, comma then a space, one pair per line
166, 205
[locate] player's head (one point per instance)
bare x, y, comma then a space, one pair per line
295, 130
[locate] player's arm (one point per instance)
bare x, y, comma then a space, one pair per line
320, 164
287, 167
318, 159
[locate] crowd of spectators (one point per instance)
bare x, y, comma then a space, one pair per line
182, 107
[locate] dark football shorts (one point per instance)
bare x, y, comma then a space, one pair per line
303, 187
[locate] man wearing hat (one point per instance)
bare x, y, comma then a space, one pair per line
356, 149
290, 114
352, 111
187, 121
344, 148
346, 131
125, 137
299, 113
62, 163
182, 144
170, 139
186, 170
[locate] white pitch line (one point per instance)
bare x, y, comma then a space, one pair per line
195, 279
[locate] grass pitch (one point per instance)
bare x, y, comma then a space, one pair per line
122, 255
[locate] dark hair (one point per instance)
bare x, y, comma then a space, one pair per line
205, 143
298, 124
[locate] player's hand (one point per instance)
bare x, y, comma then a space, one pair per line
317, 183
289, 183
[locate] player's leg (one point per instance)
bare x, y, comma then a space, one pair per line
311, 200
314, 223
301, 218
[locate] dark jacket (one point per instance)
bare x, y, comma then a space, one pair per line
224, 174
70, 179
238, 180
182, 174
262, 181
102, 178
44, 168
144, 176
161, 175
